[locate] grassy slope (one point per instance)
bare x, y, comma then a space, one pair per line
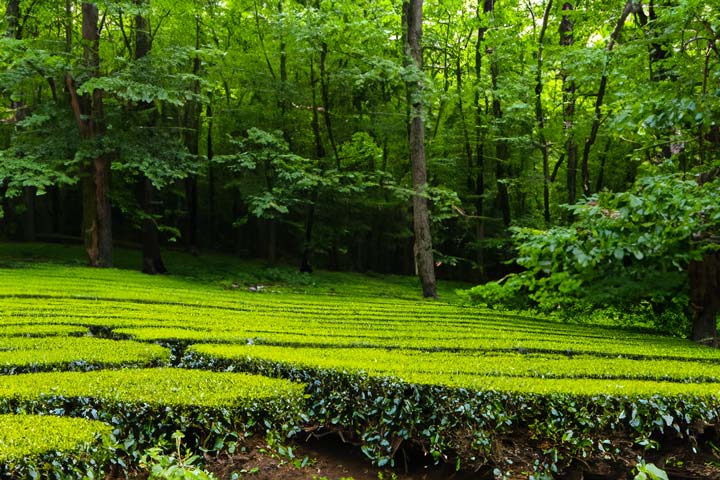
300, 317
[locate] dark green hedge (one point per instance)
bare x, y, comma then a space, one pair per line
145, 407
466, 426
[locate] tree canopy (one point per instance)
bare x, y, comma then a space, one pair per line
586, 133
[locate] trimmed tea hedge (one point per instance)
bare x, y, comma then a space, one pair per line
34, 446
145, 406
454, 381
472, 369
21, 355
33, 330
467, 416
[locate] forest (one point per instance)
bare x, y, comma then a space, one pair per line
333, 239
467, 140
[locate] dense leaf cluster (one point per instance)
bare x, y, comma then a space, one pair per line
384, 414
34, 446
629, 251
144, 407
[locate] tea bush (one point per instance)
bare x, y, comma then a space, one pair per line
35, 446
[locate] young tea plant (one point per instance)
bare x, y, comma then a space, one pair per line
177, 466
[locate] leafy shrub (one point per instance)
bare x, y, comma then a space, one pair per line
33, 446
33, 330
480, 368
22, 355
215, 410
627, 250
468, 417
177, 466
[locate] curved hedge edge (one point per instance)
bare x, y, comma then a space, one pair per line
30, 330
383, 414
79, 366
140, 425
35, 446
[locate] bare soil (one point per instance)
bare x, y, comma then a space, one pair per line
330, 459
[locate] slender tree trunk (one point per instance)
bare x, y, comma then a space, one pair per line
325, 94
630, 7
152, 257
192, 142
704, 286
461, 112
12, 18
479, 180
212, 207
603, 161
283, 91
152, 262
68, 25
567, 39
704, 280
540, 115
502, 151
421, 219
305, 265
305, 262
88, 110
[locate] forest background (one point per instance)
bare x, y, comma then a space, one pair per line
578, 139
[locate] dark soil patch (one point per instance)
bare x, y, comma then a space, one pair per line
328, 458
325, 458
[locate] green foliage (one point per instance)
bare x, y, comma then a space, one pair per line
648, 471
385, 372
577, 417
173, 467
214, 410
496, 368
72, 353
163, 387
32, 330
34, 446
626, 250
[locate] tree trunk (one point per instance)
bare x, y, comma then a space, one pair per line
325, 95
88, 110
421, 219
630, 7
212, 207
307, 251
152, 258
192, 142
567, 39
502, 151
12, 18
704, 280
479, 179
152, 262
540, 116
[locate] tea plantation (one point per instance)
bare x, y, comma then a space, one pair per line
99, 365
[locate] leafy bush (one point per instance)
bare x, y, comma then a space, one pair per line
177, 466
19, 355
475, 367
33, 446
215, 410
627, 250
33, 330
467, 417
